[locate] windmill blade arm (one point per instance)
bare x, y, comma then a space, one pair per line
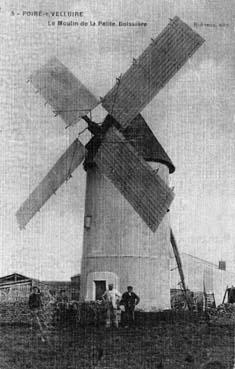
151, 71
69, 98
134, 178
60, 172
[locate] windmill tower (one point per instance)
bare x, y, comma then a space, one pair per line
118, 246
126, 221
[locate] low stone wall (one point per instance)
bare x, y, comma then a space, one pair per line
79, 314
75, 313
14, 312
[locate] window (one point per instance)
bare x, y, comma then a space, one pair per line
87, 222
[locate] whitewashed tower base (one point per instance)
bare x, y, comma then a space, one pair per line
119, 248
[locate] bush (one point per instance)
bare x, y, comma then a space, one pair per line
80, 313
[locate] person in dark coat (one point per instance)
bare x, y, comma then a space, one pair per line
129, 300
35, 300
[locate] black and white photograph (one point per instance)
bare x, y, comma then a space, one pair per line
117, 184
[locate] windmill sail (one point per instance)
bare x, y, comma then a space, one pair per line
151, 71
60, 172
68, 97
140, 185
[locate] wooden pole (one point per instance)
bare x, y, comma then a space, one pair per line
225, 294
180, 268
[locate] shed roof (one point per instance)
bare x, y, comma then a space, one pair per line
15, 277
140, 136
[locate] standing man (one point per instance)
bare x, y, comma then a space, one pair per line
129, 300
112, 298
36, 305
62, 307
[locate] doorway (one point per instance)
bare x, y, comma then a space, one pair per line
100, 288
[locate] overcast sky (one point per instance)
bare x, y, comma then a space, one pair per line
193, 118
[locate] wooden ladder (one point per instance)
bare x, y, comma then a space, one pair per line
210, 301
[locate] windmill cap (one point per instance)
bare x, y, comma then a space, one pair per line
140, 136
143, 140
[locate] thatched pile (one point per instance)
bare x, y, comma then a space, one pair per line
224, 314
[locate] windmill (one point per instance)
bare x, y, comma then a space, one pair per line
126, 225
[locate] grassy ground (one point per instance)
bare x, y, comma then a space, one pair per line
164, 346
